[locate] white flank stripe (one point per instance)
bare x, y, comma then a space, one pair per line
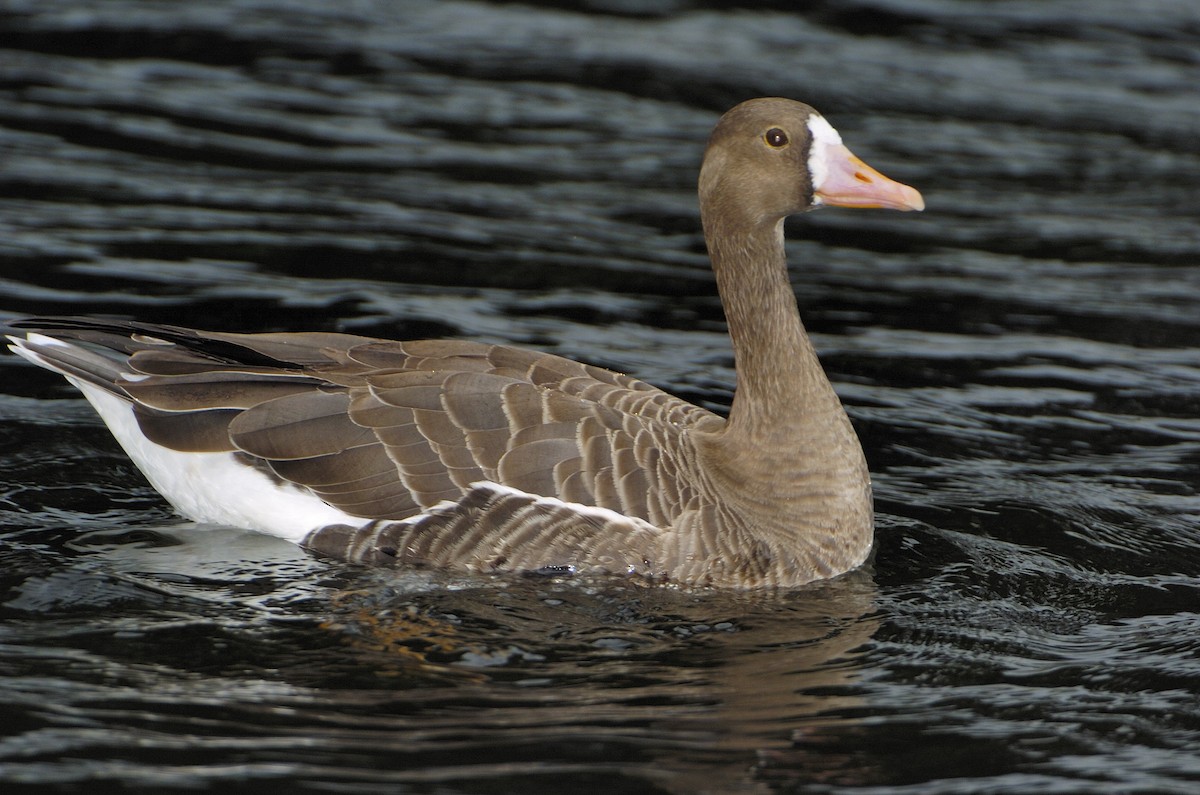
605, 514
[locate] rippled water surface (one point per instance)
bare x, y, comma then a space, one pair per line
1020, 361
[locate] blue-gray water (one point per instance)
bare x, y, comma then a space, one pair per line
1022, 362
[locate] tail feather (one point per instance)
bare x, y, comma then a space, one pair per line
98, 366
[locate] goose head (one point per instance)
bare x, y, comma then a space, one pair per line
771, 158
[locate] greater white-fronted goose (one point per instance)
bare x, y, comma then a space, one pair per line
492, 458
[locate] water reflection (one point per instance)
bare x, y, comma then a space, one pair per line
681, 679
567, 677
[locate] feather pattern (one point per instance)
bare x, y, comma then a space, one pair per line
496, 458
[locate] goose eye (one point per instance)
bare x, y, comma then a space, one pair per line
776, 137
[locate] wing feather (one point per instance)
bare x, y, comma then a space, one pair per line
302, 425
392, 431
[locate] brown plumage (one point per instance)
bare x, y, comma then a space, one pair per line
489, 457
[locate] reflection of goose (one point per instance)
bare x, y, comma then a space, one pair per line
493, 458
694, 692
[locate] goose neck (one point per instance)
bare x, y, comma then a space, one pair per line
780, 380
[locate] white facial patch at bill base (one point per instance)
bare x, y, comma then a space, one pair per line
824, 137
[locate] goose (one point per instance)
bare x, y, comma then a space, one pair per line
493, 458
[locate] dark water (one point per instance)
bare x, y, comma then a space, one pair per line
1021, 362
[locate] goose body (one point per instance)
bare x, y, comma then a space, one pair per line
495, 458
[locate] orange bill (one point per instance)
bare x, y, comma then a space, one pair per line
849, 182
